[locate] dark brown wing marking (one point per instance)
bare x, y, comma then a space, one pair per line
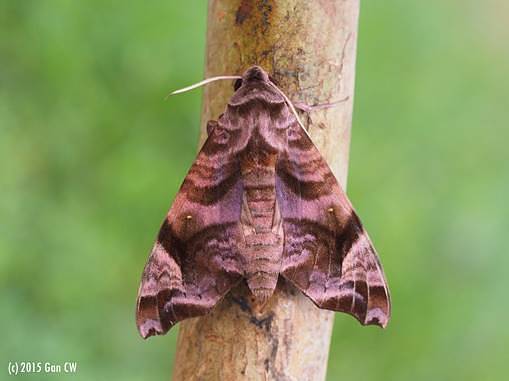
328, 255
194, 261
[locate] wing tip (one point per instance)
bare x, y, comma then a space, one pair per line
149, 320
150, 327
376, 316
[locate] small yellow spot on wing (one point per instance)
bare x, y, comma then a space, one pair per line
189, 217
330, 210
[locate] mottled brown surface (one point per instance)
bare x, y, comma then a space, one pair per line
309, 49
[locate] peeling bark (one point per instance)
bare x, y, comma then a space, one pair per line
309, 49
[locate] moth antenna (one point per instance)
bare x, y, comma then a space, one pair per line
292, 107
202, 83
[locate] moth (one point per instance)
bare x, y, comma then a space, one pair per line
258, 203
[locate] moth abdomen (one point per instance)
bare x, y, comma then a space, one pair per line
262, 254
262, 282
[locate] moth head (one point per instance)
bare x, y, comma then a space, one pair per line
255, 74
255, 85
252, 75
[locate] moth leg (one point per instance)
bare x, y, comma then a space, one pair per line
304, 107
211, 124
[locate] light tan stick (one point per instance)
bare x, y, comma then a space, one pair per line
309, 48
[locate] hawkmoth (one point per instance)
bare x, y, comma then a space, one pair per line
258, 203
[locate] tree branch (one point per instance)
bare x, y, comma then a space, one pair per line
309, 49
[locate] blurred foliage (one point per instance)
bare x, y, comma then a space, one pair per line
91, 157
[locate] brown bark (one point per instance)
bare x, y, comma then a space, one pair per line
309, 48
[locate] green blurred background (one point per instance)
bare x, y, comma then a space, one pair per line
91, 157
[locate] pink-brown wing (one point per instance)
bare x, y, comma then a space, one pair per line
194, 261
328, 254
